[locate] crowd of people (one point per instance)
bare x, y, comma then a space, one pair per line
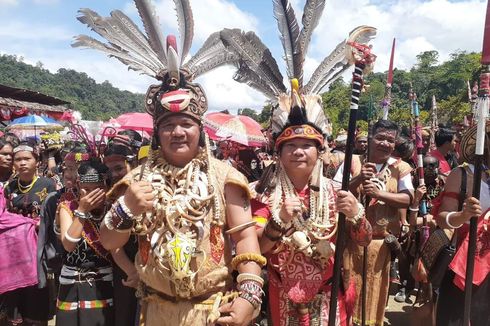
79, 214
180, 230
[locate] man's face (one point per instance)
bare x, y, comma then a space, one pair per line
25, 163
383, 144
361, 144
6, 157
431, 167
179, 138
118, 168
299, 155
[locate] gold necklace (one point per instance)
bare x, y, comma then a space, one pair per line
26, 189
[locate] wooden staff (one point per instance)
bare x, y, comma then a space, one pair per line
481, 116
363, 57
419, 144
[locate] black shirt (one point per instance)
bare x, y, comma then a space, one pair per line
28, 203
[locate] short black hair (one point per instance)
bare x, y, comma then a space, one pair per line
93, 166
12, 138
132, 134
118, 149
404, 146
30, 143
385, 124
444, 135
4, 142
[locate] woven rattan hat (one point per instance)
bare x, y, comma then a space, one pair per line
468, 143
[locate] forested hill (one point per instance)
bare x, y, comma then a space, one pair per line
95, 101
447, 81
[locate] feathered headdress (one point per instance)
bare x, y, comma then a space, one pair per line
150, 54
257, 68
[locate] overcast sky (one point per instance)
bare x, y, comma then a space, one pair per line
42, 30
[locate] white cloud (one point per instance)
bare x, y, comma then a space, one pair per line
418, 25
11, 30
224, 93
5, 3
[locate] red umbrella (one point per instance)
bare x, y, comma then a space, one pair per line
136, 120
237, 128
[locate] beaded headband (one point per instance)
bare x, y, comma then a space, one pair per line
301, 131
92, 178
22, 148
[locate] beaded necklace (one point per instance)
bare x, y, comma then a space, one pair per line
175, 227
26, 189
317, 224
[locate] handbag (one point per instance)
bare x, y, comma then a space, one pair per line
439, 250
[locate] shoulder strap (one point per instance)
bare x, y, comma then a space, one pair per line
462, 188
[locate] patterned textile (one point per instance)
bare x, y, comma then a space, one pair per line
299, 281
384, 219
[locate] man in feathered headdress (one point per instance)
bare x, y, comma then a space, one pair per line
189, 210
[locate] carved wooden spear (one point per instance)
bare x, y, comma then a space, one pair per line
363, 59
481, 118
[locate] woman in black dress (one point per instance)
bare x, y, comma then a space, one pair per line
86, 293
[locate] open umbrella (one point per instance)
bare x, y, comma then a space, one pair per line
34, 122
238, 128
31, 125
136, 120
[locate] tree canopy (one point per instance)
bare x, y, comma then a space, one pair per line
94, 101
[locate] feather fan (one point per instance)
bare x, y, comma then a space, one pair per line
245, 75
127, 59
118, 40
186, 26
311, 17
336, 63
133, 31
289, 35
254, 55
152, 28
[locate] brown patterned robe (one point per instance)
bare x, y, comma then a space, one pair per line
384, 219
161, 305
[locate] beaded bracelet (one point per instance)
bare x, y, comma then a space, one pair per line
116, 219
82, 216
125, 208
251, 256
251, 291
277, 219
360, 213
253, 300
242, 277
413, 209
